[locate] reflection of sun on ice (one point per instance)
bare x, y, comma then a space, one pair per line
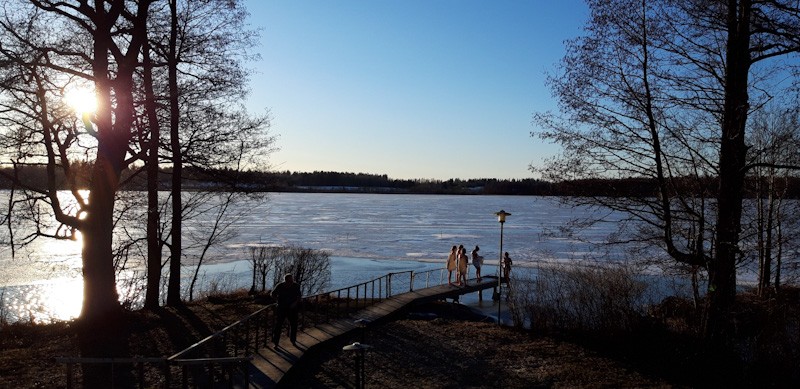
64, 298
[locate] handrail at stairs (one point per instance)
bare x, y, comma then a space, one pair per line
241, 339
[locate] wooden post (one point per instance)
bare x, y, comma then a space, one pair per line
69, 375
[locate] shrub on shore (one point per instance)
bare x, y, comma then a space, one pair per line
611, 308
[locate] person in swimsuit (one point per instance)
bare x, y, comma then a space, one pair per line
477, 261
451, 265
463, 267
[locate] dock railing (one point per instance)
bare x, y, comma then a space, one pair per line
429, 278
220, 357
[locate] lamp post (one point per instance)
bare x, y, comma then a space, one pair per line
501, 218
359, 349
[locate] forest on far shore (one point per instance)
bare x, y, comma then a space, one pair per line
340, 182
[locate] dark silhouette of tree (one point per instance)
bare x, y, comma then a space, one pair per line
771, 228
200, 81
47, 48
116, 49
663, 91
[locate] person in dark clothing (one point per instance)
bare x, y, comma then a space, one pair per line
288, 296
506, 266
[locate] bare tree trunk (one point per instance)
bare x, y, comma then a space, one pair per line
101, 333
217, 234
779, 256
153, 238
696, 286
174, 286
760, 240
766, 268
722, 269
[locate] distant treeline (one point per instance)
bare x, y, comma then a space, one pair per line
372, 183
337, 182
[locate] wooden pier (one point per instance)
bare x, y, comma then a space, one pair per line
240, 355
269, 365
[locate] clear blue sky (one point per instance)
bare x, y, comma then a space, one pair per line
433, 89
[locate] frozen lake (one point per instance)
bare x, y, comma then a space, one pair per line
367, 235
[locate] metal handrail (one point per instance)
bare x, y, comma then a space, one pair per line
248, 334
427, 274
162, 365
221, 333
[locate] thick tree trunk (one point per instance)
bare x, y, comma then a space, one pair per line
722, 269
100, 297
101, 323
102, 332
102, 328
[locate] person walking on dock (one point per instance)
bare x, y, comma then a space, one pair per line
288, 296
451, 265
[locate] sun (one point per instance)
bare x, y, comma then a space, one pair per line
83, 100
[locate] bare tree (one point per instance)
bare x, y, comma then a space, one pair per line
198, 49
773, 225
46, 48
311, 268
663, 92
222, 228
263, 260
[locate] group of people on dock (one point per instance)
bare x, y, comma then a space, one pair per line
458, 262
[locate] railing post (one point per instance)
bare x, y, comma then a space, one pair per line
185, 378
338, 301
302, 315
257, 340
266, 328
246, 373
140, 374
167, 373
69, 375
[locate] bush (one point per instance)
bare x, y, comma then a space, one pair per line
310, 268
578, 298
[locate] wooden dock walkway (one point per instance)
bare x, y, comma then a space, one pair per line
270, 365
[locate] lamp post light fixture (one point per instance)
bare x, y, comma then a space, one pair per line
359, 349
501, 218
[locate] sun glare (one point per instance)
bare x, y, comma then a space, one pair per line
64, 298
83, 101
